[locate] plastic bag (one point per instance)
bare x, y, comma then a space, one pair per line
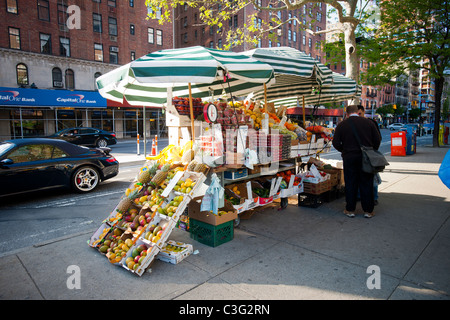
444, 170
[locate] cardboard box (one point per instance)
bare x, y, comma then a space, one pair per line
210, 218
235, 174
243, 193
171, 256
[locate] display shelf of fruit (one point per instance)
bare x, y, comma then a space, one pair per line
173, 206
99, 235
323, 132
158, 230
116, 245
140, 257
287, 175
182, 105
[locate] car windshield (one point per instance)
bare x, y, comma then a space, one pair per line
5, 146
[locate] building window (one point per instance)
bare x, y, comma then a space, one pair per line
112, 3
64, 47
319, 16
46, 43
133, 56
310, 42
151, 35
70, 79
235, 21
43, 10
97, 22
96, 75
219, 43
132, 29
57, 78
98, 52
304, 40
131, 3
11, 6
211, 44
62, 16
159, 37
14, 38
22, 74
114, 55
112, 23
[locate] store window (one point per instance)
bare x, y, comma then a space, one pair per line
27, 122
102, 119
57, 78
70, 79
69, 118
46, 43
22, 74
14, 38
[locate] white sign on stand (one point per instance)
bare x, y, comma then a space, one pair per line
172, 183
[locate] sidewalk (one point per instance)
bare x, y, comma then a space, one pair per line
296, 253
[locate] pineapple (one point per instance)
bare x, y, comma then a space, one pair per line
201, 167
160, 176
188, 156
145, 176
191, 165
127, 201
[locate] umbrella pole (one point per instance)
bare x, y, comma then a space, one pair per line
192, 113
304, 116
265, 98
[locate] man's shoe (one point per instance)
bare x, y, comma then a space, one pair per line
369, 215
349, 214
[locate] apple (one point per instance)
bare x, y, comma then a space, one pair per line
136, 259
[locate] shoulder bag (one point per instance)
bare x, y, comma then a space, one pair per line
373, 161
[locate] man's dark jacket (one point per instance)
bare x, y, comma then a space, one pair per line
345, 142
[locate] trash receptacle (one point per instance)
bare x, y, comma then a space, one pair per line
410, 142
446, 133
398, 143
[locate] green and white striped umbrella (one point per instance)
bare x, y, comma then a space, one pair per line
145, 81
341, 89
299, 75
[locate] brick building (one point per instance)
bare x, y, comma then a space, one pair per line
190, 31
48, 44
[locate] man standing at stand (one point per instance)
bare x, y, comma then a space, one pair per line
344, 141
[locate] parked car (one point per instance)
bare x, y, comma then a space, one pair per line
86, 136
41, 163
396, 126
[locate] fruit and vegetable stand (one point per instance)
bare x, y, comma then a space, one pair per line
244, 147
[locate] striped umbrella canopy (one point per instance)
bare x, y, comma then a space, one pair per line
341, 89
145, 81
299, 75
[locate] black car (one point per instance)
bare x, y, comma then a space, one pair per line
41, 163
86, 136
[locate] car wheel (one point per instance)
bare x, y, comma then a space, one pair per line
102, 143
85, 179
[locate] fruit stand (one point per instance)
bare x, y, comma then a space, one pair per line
227, 155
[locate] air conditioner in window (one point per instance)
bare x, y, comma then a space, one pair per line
114, 49
57, 84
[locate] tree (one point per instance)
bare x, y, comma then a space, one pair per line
413, 34
350, 13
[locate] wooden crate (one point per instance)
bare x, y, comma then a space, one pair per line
317, 188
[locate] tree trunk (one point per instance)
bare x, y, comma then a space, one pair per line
439, 86
351, 57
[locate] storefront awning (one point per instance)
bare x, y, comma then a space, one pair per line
50, 98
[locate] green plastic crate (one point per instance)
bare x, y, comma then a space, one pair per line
210, 235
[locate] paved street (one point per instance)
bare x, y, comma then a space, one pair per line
296, 253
